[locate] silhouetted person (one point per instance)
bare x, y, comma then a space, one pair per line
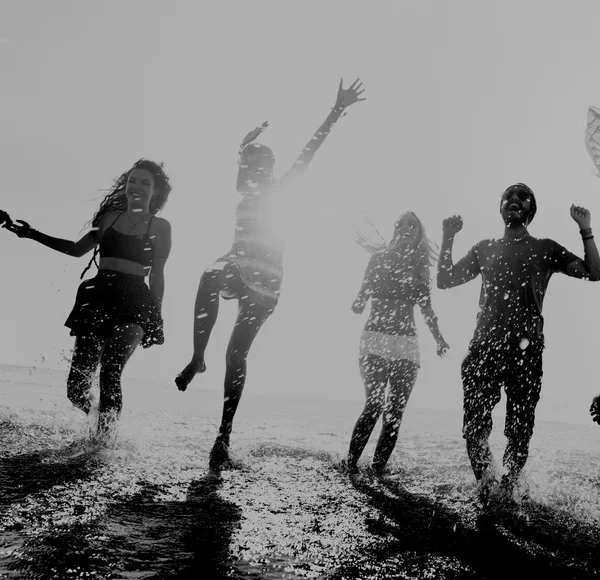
252, 270
116, 310
397, 278
506, 349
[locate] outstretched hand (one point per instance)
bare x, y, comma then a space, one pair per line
595, 409
349, 96
452, 225
582, 216
20, 228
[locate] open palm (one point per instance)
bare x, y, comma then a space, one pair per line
349, 96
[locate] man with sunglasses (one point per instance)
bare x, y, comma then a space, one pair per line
506, 349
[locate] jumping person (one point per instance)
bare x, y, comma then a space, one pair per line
116, 311
251, 271
396, 279
506, 349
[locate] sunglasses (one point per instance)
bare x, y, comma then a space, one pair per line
522, 195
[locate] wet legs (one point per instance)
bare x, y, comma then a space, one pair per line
249, 321
84, 363
376, 372
115, 355
403, 376
206, 311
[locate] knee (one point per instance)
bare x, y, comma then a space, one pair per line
211, 279
374, 407
110, 371
476, 431
235, 359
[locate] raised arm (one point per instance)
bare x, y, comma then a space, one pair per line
448, 273
589, 267
365, 291
345, 98
162, 249
75, 249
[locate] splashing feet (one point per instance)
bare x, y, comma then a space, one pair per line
185, 377
219, 454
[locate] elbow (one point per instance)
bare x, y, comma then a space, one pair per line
594, 277
443, 282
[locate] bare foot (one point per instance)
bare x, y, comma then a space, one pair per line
184, 378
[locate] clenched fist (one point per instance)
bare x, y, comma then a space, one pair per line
452, 225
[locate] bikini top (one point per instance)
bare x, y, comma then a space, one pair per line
138, 249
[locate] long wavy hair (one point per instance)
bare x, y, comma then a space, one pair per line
424, 255
115, 199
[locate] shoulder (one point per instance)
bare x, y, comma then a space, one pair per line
160, 225
547, 245
381, 257
106, 221
484, 247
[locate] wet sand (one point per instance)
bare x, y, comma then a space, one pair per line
145, 505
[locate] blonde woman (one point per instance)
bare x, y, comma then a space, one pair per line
397, 278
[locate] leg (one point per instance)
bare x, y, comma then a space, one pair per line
206, 310
374, 371
117, 352
403, 375
481, 395
85, 361
522, 396
250, 318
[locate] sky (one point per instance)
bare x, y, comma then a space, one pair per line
463, 99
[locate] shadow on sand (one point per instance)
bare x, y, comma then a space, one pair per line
426, 538
142, 538
31, 473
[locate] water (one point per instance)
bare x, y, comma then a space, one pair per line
144, 505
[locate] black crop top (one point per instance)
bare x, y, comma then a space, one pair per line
138, 249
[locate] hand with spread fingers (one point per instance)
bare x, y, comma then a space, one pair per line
582, 216
349, 96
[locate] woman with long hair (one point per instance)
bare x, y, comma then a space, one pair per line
396, 279
116, 310
252, 270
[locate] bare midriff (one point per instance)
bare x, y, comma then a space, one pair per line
391, 316
125, 266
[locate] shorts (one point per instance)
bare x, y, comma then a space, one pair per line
390, 347
487, 368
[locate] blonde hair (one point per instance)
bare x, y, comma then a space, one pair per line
425, 255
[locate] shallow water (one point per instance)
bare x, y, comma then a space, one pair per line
145, 505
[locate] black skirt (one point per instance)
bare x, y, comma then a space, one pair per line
114, 298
